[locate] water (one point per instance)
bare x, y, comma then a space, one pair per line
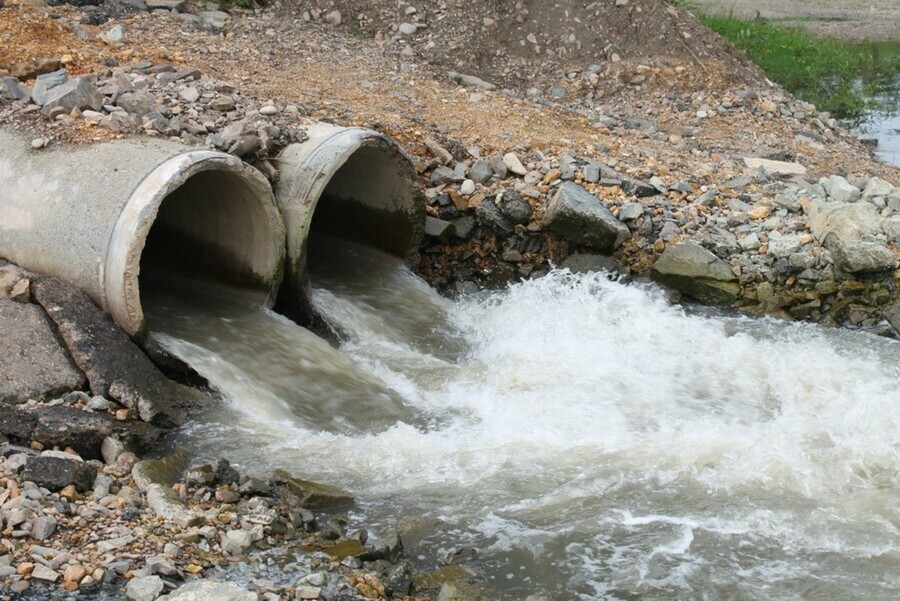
589, 439
883, 123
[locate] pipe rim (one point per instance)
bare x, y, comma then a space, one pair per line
121, 271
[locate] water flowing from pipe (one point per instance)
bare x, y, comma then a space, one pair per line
589, 439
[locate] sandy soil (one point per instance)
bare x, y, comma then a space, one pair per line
855, 20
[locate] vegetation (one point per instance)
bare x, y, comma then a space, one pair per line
844, 79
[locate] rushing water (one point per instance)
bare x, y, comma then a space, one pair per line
589, 439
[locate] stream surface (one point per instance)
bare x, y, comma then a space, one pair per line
589, 439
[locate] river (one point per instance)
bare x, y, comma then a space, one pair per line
883, 123
587, 438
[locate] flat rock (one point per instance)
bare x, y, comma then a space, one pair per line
176, 5
55, 473
209, 591
148, 588
693, 270
775, 167
578, 216
311, 495
33, 363
588, 263
115, 367
470, 81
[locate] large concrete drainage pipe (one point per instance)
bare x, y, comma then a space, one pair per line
106, 216
349, 183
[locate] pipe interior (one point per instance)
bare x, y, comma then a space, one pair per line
211, 233
369, 200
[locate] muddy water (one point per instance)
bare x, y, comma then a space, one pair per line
590, 440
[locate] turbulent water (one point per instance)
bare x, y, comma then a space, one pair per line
590, 440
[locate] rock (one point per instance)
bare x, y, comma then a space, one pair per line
633, 187
586, 263
877, 187
55, 473
784, 246
578, 216
498, 166
631, 211
215, 19
43, 528
174, 5
111, 449
74, 573
446, 175
11, 89
407, 29
42, 572
490, 215
44, 83
832, 222
839, 189
461, 591
241, 538
480, 172
891, 227
438, 578
115, 367
514, 165
225, 473
33, 364
209, 591
693, 270
467, 188
307, 592
439, 229
136, 103
774, 167
78, 93
313, 496
514, 207
268, 110
892, 314
470, 81
115, 35
148, 588
189, 94
859, 256
334, 18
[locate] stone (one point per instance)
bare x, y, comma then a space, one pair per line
578, 216
470, 81
215, 19
514, 207
490, 215
498, 166
784, 246
114, 35
463, 591
33, 363
774, 167
45, 82
173, 5
839, 189
268, 110
136, 103
439, 229
189, 94
209, 591
514, 165
407, 29
43, 528
308, 592
78, 93
877, 187
12, 89
859, 256
334, 18
241, 538
56, 473
631, 211
74, 573
892, 314
480, 172
42, 572
891, 227
115, 367
832, 222
637, 188
446, 175
693, 270
311, 495
467, 188
587, 263
111, 448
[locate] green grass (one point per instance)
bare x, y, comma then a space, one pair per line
844, 79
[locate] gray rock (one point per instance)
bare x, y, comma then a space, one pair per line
631, 211
498, 166
788, 201
784, 246
750, 242
514, 207
12, 89
175, 5
578, 216
862, 256
115, 35
637, 188
334, 18
592, 173
463, 591
222, 104
241, 538
586, 263
209, 591
446, 175
78, 93
892, 314
43, 528
439, 229
55, 473
877, 187
480, 172
490, 215
840, 190
464, 227
215, 19
42, 572
115, 367
471, 81
832, 222
148, 588
189, 94
136, 103
111, 448
693, 270
514, 165
891, 227
311, 495
33, 364
45, 82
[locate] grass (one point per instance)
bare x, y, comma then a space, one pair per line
844, 79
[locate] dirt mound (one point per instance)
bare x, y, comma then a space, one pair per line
534, 42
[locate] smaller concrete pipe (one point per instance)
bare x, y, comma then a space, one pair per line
350, 183
99, 214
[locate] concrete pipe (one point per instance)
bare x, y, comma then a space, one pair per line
105, 216
350, 183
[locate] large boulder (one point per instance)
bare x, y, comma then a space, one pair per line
693, 270
78, 93
861, 256
833, 222
54, 472
207, 590
33, 363
578, 216
311, 495
116, 368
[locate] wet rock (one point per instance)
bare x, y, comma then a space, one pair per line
33, 364
148, 588
862, 256
490, 215
56, 473
578, 216
438, 578
317, 497
85, 432
460, 591
693, 270
587, 263
225, 473
115, 367
892, 314
78, 93
514, 207
209, 591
